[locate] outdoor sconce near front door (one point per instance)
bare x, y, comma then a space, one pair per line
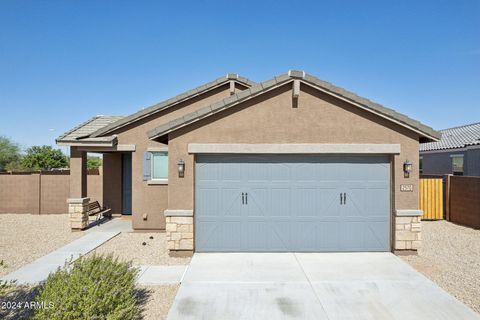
181, 168
407, 168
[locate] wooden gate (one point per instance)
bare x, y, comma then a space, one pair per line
431, 198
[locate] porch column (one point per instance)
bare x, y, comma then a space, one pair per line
78, 201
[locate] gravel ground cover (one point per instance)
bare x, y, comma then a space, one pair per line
146, 249
450, 256
130, 247
16, 295
154, 301
26, 237
159, 300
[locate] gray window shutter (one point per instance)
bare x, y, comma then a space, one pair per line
147, 166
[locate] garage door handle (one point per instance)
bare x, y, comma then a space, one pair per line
243, 198
341, 200
344, 198
246, 197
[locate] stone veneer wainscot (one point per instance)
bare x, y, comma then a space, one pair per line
408, 230
179, 230
78, 211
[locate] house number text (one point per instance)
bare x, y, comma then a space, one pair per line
406, 187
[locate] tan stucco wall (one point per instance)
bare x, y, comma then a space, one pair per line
112, 181
153, 199
78, 170
270, 118
42, 194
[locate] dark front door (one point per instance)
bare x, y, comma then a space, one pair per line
127, 183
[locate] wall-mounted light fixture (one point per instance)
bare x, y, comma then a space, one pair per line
181, 168
407, 168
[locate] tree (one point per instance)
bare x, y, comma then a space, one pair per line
93, 162
15, 166
44, 158
9, 152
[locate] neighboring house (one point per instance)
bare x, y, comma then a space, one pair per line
290, 164
457, 152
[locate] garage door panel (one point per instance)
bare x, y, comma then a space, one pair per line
355, 205
206, 234
328, 236
376, 235
279, 202
265, 236
303, 172
229, 172
257, 200
207, 172
308, 200
230, 203
329, 202
364, 201
327, 172
314, 202
294, 203
279, 172
376, 207
279, 235
208, 201
229, 233
255, 235
318, 236
377, 172
219, 236
352, 235
255, 172
305, 236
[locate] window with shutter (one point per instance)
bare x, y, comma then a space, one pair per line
159, 165
147, 159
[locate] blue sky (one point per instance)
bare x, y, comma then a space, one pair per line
62, 62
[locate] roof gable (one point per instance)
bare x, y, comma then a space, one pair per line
173, 101
454, 138
307, 79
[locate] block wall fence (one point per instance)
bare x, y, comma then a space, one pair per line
43, 192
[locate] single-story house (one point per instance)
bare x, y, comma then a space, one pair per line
457, 152
290, 164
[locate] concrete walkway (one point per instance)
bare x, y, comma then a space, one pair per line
310, 286
39, 269
158, 275
95, 236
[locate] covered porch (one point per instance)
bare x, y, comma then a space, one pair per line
116, 181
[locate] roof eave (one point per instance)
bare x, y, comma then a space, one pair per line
87, 143
181, 98
276, 82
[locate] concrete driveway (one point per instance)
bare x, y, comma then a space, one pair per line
310, 286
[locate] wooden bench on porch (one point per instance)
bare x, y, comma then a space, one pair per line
94, 208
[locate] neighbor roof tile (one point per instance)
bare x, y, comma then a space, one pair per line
453, 138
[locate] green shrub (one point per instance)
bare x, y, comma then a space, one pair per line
94, 287
6, 286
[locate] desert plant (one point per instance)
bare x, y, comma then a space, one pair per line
6, 286
93, 287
